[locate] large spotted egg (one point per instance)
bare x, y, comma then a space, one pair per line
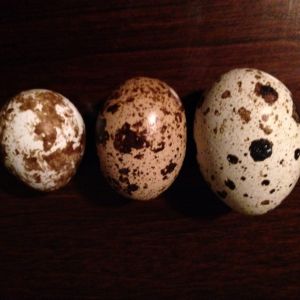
248, 140
42, 138
141, 138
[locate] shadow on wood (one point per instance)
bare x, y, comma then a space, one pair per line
89, 180
189, 193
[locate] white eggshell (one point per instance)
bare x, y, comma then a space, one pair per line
141, 138
42, 138
248, 143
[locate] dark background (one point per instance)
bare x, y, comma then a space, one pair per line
84, 241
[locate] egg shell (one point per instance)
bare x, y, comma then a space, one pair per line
141, 138
42, 138
248, 143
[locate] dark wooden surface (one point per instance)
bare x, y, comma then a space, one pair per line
84, 241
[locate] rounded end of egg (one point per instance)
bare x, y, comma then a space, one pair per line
42, 138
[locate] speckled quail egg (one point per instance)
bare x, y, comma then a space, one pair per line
248, 142
141, 138
42, 138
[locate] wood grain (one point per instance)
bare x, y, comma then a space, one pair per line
84, 241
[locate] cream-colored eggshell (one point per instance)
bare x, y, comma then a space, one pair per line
248, 141
42, 138
141, 138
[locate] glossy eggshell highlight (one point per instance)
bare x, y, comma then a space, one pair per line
141, 138
42, 138
248, 142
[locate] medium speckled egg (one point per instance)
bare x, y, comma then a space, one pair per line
42, 138
248, 142
141, 138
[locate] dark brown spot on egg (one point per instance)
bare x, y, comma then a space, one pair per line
232, 159
215, 130
37, 178
257, 76
161, 147
178, 117
226, 94
217, 113
139, 156
265, 202
124, 171
132, 188
260, 149
240, 86
244, 114
168, 169
63, 158
245, 195
206, 111
265, 182
230, 184
113, 108
163, 129
165, 111
266, 129
138, 124
130, 99
124, 179
295, 115
268, 93
31, 163
243, 178
127, 139
297, 154
272, 191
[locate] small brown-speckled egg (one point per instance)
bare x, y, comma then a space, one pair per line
248, 140
42, 138
141, 138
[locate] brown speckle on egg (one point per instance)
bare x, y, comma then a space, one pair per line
206, 111
265, 182
244, 114
232, 159
230, 184
226, 94
265, 202
266, 129
297, 154
295, 115
260, 149
168, 169
127, 139
268, 93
